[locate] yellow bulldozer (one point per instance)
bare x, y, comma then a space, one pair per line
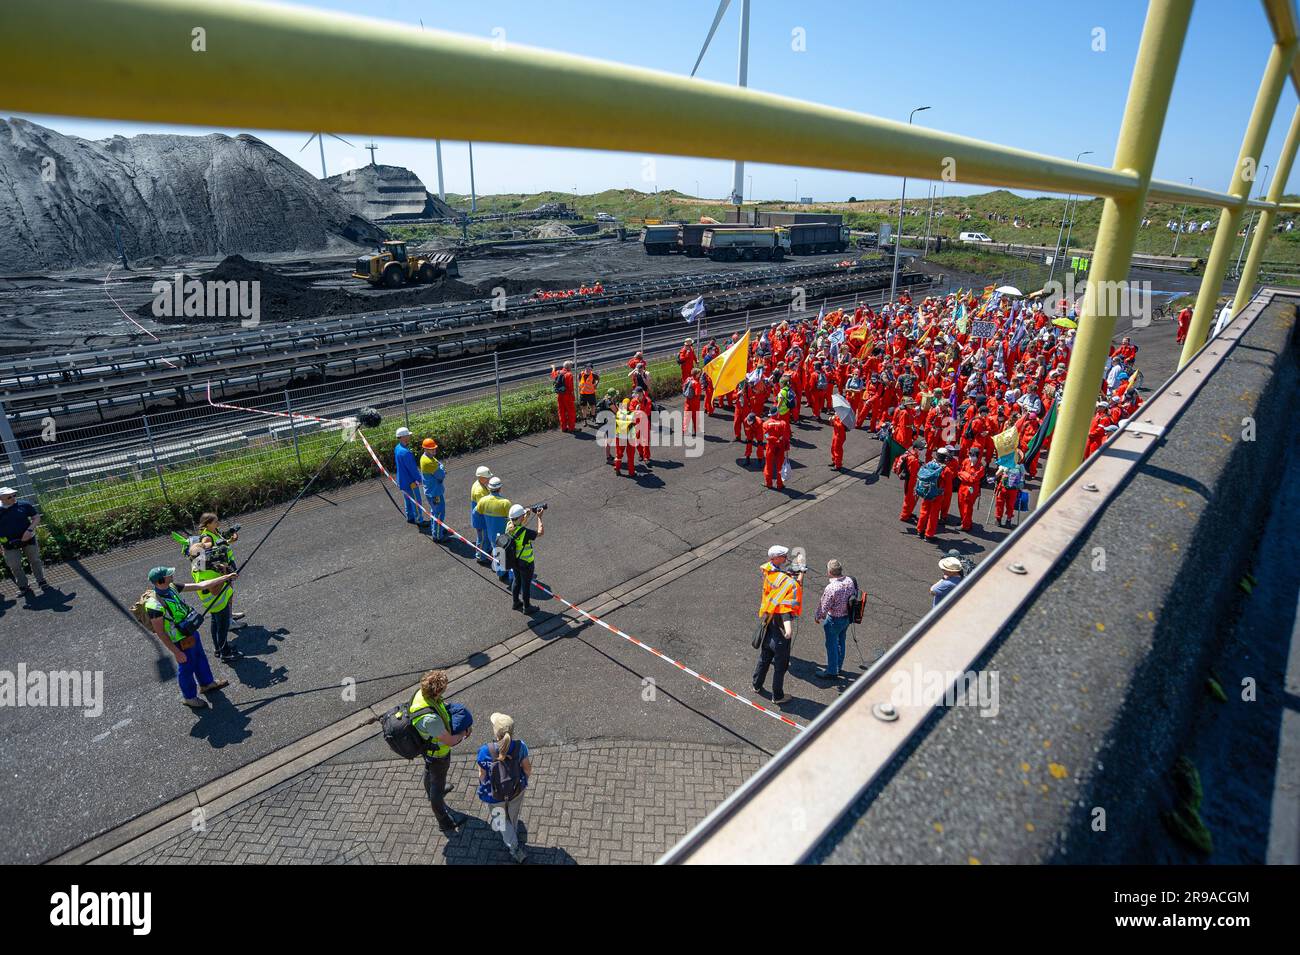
392, 267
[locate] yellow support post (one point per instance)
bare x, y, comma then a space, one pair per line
1139, 137
1243, 176
1264, 229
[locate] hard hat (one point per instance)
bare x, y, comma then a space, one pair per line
403, 433
516, 512
776, 550
429, 444
494, 484
483, 471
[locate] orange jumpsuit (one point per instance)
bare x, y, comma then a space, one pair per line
839, 431
776, 434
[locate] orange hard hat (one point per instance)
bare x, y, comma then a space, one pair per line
429, 444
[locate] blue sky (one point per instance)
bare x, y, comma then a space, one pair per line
1024, 74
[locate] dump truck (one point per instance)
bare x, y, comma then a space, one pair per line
659, 239
393, 267
735, 245
808, 238
690, 237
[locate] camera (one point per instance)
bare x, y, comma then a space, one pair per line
538, 508
234, 529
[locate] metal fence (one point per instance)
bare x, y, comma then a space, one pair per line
155, 458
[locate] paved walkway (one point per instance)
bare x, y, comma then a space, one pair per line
594, 802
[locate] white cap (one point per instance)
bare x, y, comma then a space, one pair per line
516, 512
6, 491
776, 550
403, 433
494, 484
483, 471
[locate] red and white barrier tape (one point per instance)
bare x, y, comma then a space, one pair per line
544, 589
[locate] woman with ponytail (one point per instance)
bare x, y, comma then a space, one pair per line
503, 770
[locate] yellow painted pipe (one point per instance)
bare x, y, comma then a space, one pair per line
1264, 228
1276, 72
1139, 137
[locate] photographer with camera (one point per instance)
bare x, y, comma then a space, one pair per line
782, 601
519, 553
211, 557
176, 625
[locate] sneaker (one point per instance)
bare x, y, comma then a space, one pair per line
516, 606
231, 656
529, 609
44, 585
214, 685
196, 703
782, 699
238, 615
27, 591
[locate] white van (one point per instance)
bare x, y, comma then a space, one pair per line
973, 237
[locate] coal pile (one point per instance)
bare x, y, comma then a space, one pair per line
68, 202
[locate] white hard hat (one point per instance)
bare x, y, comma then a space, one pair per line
494, 484
776, 550
403, 433
483, 471
516, 512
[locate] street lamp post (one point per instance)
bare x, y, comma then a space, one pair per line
898, 239
1057, 251
796, 192
1251, 224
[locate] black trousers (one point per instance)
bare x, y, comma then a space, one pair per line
435, 781
523, 585
775, 653
221, 628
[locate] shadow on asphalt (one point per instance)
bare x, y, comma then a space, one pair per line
477, 844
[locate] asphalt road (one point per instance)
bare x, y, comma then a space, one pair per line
349, 592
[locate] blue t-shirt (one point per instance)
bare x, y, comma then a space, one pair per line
943, 588
517, 747
15, 521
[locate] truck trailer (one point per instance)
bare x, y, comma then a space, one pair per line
735, 245
807, 238
660, 239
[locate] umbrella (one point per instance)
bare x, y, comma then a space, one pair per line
840, 405
1065, 323
1009, 290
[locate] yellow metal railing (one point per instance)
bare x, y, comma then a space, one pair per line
259, 66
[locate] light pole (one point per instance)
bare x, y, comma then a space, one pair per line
1181, 216
898, 239
796, 192
751, 188
925, 249
1251, 224
1057, 251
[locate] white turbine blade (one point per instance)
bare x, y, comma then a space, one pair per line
717, 18
308, 142
341, 139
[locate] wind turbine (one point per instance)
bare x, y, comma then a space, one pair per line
320, 139
742, 80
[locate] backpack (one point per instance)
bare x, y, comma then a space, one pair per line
822, 383
398, 726
900, 466
560, 386
141, 612
857, 603
927, 481
688, 389
506, 775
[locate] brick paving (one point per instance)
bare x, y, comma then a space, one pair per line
604, 802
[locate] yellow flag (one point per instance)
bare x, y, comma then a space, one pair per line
1006, 442
728, 369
